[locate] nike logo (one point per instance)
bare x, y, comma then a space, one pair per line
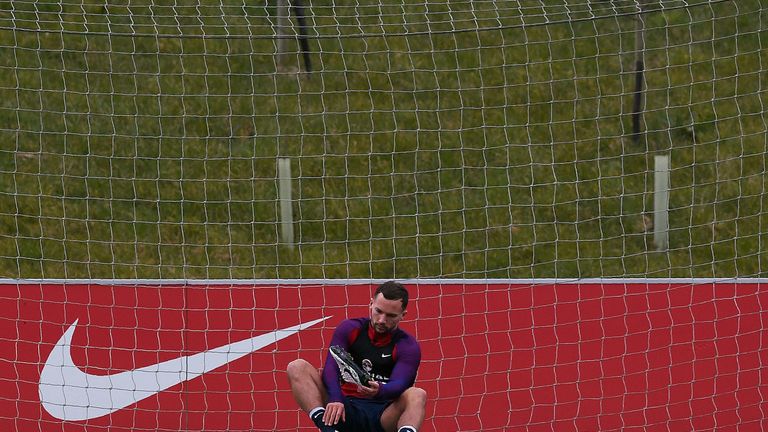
68, 393
386, 355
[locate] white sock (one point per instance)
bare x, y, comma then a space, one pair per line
314, 411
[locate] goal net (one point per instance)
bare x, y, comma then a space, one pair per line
292, 141
438, 139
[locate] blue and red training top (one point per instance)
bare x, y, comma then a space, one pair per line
391, 358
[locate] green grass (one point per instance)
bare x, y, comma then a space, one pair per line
504, 152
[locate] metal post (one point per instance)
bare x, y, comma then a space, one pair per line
286, 200
637, 103
283, 26
661, 181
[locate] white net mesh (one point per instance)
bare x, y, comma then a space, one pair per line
487, 139
443, 139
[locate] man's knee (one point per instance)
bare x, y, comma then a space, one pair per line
297, 369
415, 396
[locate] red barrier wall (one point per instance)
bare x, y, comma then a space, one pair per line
496, 356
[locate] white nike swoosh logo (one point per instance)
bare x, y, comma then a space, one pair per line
68, 393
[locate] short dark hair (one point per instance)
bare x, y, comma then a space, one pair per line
392, 290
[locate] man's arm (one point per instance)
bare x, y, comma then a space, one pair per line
404, 372
331, 371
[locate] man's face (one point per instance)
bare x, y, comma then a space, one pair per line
386, 314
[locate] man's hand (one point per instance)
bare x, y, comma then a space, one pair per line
370, 391
334, 412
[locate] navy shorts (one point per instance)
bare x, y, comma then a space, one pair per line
362, 415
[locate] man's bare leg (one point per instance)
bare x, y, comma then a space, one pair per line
306, 385
407, 410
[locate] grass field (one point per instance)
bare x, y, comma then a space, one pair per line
440, 142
